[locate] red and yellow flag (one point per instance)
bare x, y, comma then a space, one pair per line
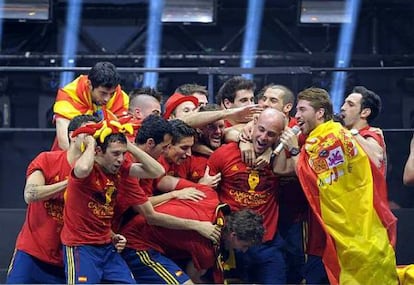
75, 99
340, 185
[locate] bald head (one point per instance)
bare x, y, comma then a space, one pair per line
273, 115
144, 105
267, 129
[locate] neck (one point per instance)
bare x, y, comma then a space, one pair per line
359, 125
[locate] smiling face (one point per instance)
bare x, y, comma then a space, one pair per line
351, 110
180, 151
267, 129
272, 98
308, 118
213, 134
113, 158
101, 95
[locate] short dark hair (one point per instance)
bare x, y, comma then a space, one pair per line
145, 91
191, 88
230, 87
104, 74
287, 97
117, 137
247, 224
369, 100
181, 130
155, 127
77, 121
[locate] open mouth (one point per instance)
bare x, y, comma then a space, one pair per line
216, 140
261, 145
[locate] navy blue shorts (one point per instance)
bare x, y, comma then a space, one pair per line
264, 264
95, 264
151, 267
292, 234
314, 271
26, 269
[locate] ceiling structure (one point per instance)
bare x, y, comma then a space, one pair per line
117, 32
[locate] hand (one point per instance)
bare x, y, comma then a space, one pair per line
86, 141
119, 241
130, 146
210, 231
210, 180
246, 132
379, 132
189, 193
289, 139
264, 159
248, 155
243, 114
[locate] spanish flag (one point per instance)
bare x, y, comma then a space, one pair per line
75, 99
341, 185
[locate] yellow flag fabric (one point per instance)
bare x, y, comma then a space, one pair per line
406, 274
75, 99
337, 179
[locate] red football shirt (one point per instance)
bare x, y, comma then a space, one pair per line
89, 206
182, 243
241, 187
40, 234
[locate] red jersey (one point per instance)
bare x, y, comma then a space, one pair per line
182, 243
130, 193
198, 167
241, 187
89, 206
39, 235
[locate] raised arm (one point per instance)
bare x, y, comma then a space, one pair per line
84, 164
281, 164
148, 166
36, 190
62, 133
241, 114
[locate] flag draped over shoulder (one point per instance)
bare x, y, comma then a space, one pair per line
339, 183
74, 99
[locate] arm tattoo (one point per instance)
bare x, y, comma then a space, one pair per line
32, 192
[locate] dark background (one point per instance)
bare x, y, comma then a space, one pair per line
382, 60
